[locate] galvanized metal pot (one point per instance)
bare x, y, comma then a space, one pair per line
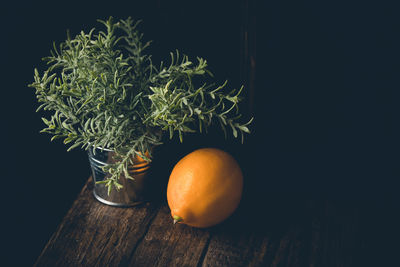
134, 192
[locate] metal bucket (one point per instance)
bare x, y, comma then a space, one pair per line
132, 193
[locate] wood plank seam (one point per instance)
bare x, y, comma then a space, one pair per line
143, 235
204, 251
98, 262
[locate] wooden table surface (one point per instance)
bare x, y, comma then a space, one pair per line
306, 232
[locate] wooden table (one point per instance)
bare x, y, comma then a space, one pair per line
308, 231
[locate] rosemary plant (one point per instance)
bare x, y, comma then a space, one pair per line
103, 91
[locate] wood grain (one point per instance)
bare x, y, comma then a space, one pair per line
95, 234
169, 244
293, 232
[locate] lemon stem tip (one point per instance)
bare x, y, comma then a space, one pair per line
176, 219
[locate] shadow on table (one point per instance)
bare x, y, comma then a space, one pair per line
320, 229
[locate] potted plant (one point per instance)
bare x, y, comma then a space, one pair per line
104, 94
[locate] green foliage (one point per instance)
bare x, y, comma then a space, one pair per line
103, 91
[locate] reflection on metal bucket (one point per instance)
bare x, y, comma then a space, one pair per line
132, 193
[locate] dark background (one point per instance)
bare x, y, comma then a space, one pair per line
323, 90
